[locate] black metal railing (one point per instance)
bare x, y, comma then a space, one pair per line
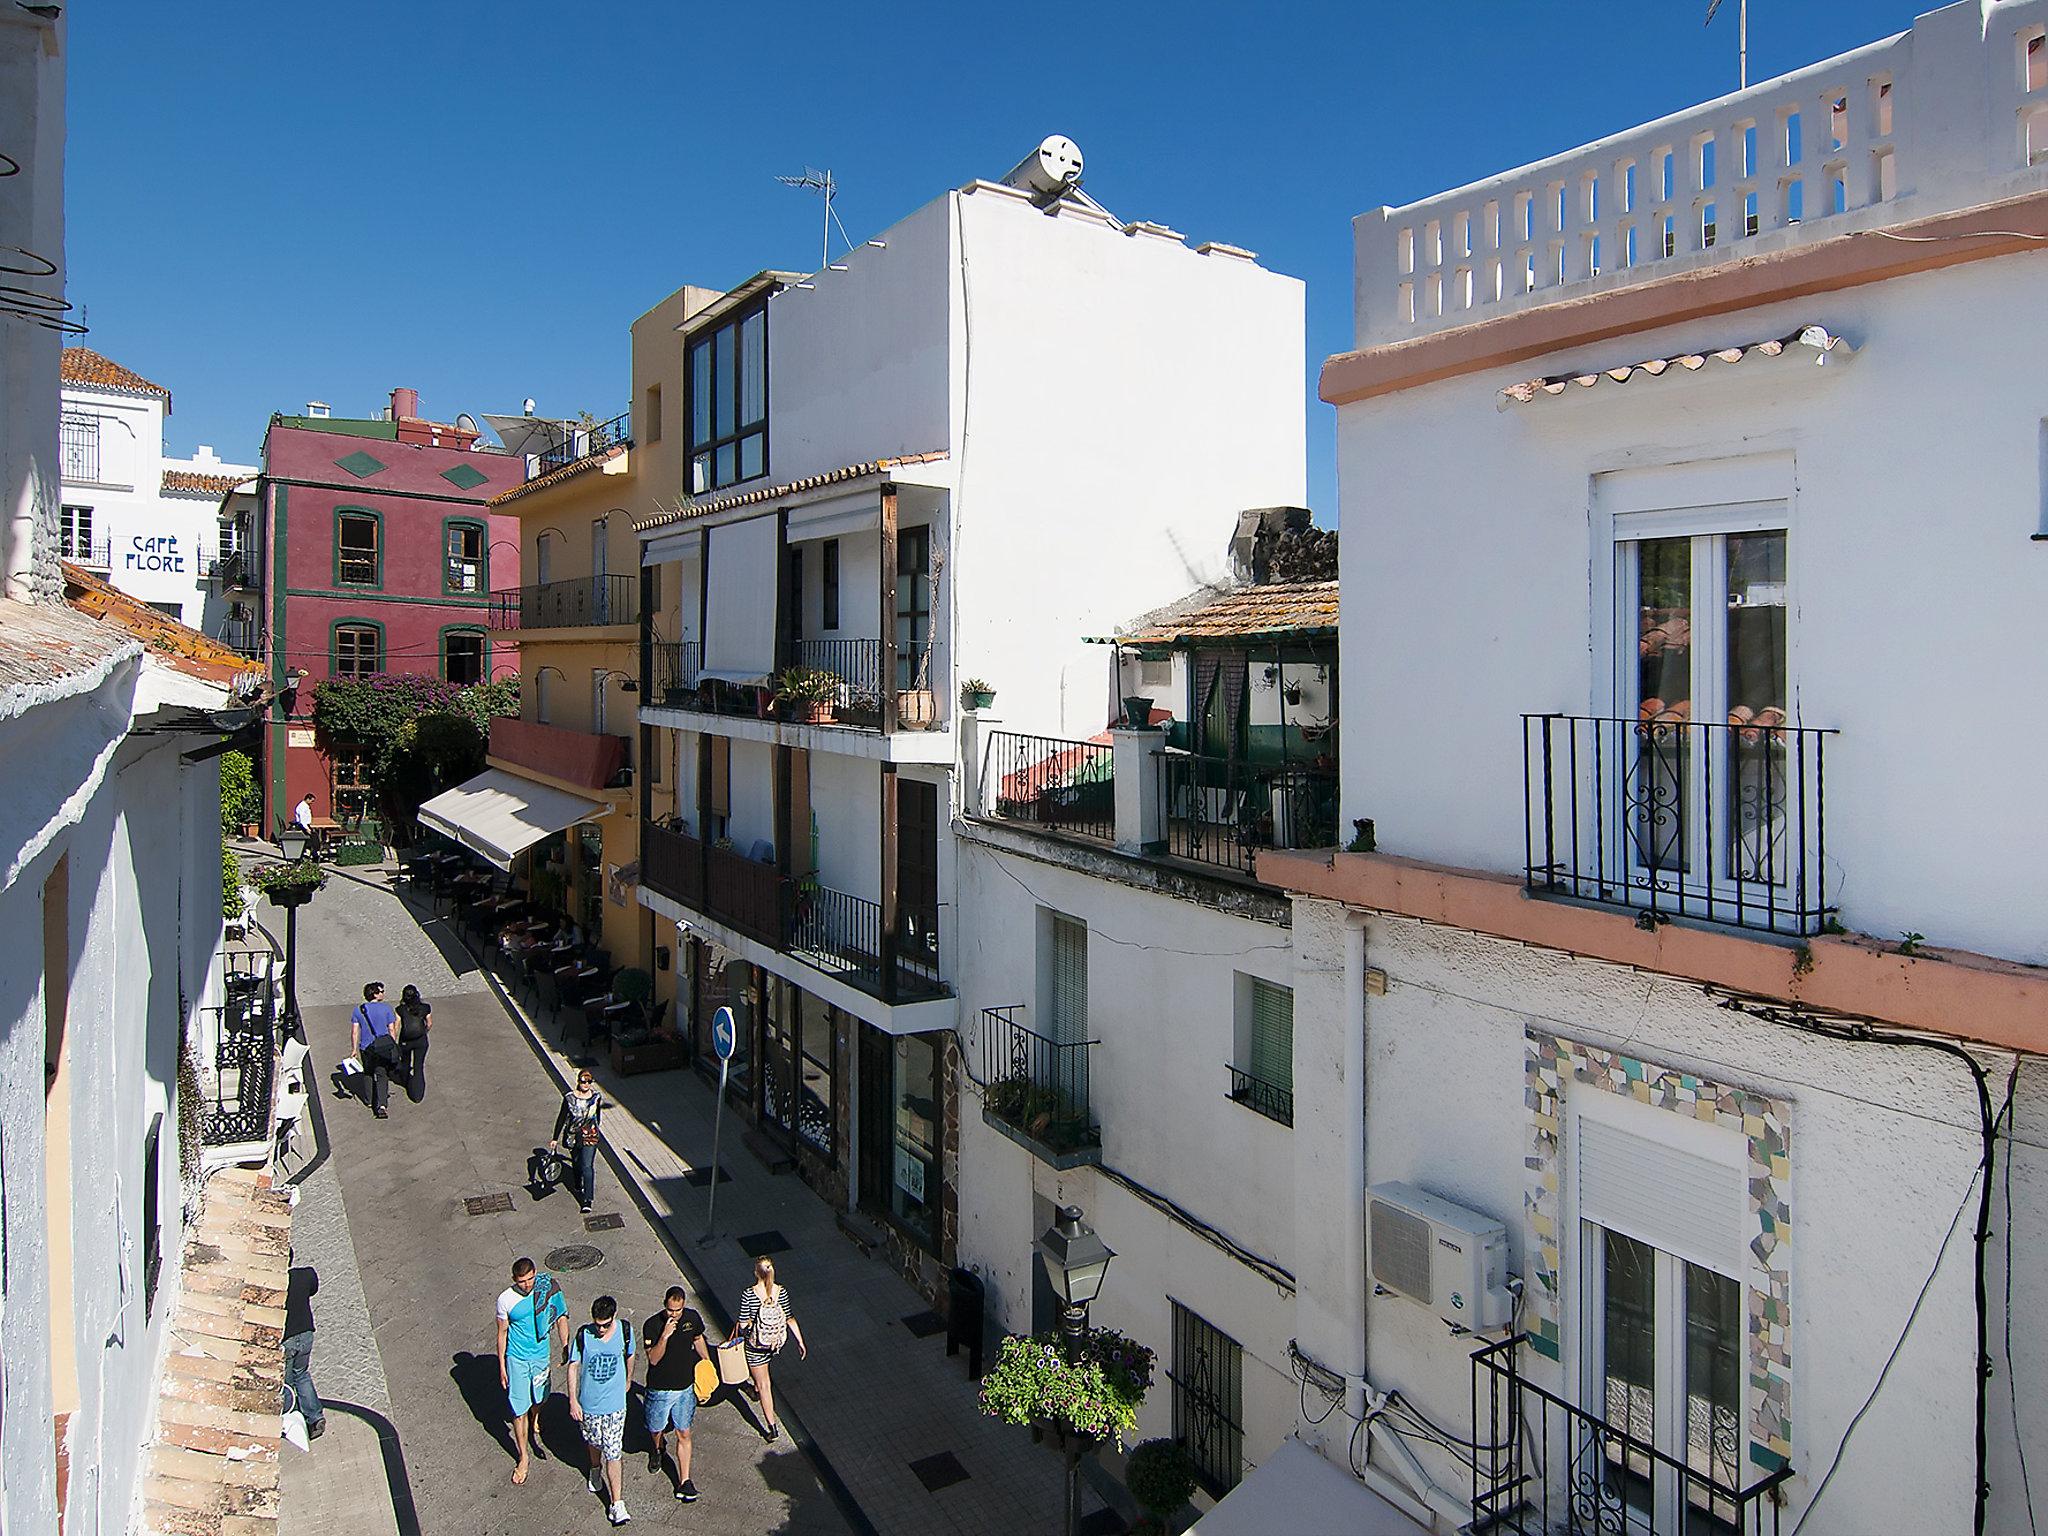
1725, 822
1222, 810
243, 636
230, 569
1060, 785
244, 1039
1268, 1099
843, 935
577, 602
1036, 1086
581, 442
1546, 1467
856, 663
676, 664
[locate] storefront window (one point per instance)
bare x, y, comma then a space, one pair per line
914, 1171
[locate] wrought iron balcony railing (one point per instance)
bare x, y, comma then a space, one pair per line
1545, 1467
1060, 785
1681, 818
1268, 1099
1038, 1088
230, 568
243, 636
856, 663
844, 936
236, 1110
675, 664
580, 443
1222, 811
579, 602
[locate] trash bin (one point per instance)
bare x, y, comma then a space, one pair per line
965, 1301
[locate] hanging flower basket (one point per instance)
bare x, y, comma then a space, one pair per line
290, 885
1094, 1400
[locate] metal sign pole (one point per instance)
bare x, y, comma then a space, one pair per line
724, 1036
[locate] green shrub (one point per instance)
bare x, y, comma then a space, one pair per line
358, 853
1160, 1476
230, 886
241, 802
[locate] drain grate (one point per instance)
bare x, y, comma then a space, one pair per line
610, 1221
487, 1205
574, 1256
760, 1244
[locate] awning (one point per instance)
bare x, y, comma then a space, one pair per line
497, 814
1810, 343
1294, 1489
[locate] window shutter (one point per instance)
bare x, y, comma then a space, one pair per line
1271, 1042
1069, 1002
1656, 1193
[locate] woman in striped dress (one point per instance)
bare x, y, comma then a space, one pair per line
765, 1323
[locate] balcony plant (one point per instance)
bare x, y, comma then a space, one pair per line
1040, 1110
976, 694
1033, 1383
1161, 1477
807, 694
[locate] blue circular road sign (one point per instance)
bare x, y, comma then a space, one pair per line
723, 1033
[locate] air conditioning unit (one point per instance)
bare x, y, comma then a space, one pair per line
1449, 1258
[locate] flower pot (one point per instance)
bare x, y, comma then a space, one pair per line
1137, 712
916, 709
981, 698
814, 711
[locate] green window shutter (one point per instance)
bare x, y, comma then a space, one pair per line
1271, 1038
1068, 1011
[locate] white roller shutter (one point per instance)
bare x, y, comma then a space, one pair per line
1675, 1200
739, 645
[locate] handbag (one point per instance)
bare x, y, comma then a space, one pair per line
706, 1380
732, 1362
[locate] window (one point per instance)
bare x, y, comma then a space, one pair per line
358, 650
462, 656
914, 1135
650, 415
1262, 1076
540, 697
598, 678
828, 594
543, 558
1208, 1399
170, 610
359, 549
349, 782
152, 1214
233, 537
81, 445
798, 1080
913, 605
728, 394
74, 534
464, 543
792, 612
1066, 980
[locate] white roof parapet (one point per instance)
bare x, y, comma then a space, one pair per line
1948, 115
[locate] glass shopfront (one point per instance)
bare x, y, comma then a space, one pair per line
900, 1131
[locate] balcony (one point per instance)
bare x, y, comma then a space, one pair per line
243, 636
674, 684
579, 443
852, 697
1055, 784
242, 1049
722, 883
1726, 823
1547, 1467
1222, 811
581, 602
1035, 1090
92, 554
229, 569
583, 758
1260, 1096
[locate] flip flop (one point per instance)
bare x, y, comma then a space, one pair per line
519, 1474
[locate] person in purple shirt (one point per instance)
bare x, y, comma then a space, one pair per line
373, 1030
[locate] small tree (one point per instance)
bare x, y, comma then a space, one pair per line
230, 886
241, 802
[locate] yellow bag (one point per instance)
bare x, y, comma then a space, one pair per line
706, 1380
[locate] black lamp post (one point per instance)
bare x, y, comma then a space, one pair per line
291, 843
1076, 1262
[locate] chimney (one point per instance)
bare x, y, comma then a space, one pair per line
316, 408
404, 402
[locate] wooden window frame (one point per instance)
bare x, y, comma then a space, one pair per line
341, 515
449, 588
466, 631
334, 668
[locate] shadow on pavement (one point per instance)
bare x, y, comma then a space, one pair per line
476, 1377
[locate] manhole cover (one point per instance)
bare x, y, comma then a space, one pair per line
485, 1205
575, 1256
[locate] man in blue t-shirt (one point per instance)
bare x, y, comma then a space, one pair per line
373, 1030
600, 1369
533, 1322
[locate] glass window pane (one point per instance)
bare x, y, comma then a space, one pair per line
754, 368
700, 474
1628, 1339
913, 1178
1713, 1340
753, 456
722, 392
727, 471
700, 393
1756, 628
1659, 766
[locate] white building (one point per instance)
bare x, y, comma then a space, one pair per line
1699, 463
149, 523
966, 446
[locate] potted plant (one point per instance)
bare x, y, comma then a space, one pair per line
807, 694
1137, 711
290, 885
1096, 1398
976, 694
1161, 1477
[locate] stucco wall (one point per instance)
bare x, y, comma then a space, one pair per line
1918, 480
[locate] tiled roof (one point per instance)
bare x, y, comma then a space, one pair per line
82, 365
184, 648
48, 651
703, 507
191, 483
557, 476
1819, 344
1302, 607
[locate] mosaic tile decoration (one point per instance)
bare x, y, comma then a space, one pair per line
1549, 1063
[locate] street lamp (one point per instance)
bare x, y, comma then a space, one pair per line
1076, 1262
291, 842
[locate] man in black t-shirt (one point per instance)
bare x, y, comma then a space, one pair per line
671, 1386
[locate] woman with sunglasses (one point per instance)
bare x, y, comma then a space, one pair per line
576, 1133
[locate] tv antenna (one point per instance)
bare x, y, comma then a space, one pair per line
1741, 39
821, 182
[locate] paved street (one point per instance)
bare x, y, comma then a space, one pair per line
417, 1439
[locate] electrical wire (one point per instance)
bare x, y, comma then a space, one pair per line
2012, 1387
1972, 234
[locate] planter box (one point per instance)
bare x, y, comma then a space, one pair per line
648, 1056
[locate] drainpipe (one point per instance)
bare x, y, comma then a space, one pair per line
1355, 1360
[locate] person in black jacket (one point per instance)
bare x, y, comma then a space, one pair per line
300, 1286
415, 1018
576, 1133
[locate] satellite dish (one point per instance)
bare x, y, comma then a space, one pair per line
467, 423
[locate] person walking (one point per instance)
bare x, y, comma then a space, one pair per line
766, 1324
415, 1018
376, 1044
674, 1337
600, 1369
533, 1322
300, 1287
576, 1133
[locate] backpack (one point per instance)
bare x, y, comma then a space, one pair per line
771, 1323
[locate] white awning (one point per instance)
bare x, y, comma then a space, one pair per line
497, 813
1294, 1489
739, 640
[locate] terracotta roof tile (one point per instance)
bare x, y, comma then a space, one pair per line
688, 510
183, 647
1246, 612
50, 651
82, 365
557, 476
191, 482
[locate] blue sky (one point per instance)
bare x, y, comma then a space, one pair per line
270, 204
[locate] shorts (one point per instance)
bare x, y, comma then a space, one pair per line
671, 1410
605, 1433
526, 1384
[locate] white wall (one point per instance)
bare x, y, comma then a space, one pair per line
1919, 479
